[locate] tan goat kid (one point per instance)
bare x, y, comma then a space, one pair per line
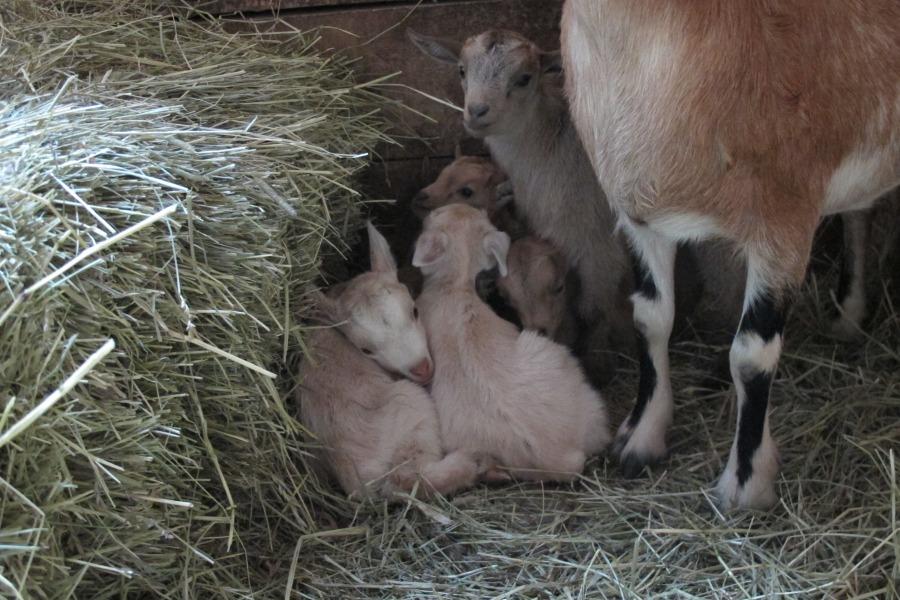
516, 397
747, 120
379, 434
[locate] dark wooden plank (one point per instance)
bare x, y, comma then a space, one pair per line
376, 36
253, 6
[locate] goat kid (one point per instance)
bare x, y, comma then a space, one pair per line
516, 397
541, 289
742, 120
478, 182
379, 434
514, 102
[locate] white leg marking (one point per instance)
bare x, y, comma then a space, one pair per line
645, 441
753, 364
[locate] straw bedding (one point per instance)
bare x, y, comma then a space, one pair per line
176, 468
172, 469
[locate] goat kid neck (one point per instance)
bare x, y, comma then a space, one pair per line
532, 139
458, 278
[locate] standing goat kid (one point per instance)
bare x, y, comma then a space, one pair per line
745, 120
514, 102
379, 434
516, 397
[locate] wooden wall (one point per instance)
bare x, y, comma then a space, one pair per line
374, 32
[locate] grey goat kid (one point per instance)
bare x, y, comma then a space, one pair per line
514, 102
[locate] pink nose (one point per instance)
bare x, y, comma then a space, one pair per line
423, 371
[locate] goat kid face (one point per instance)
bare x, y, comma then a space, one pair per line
378, 315
468, 180
536, 285
501, 74
458, 240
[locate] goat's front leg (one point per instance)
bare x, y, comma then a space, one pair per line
851, 294
749, 477
641, 439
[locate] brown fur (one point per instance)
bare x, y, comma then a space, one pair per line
743, 123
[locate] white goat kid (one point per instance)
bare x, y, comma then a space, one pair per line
379, 434
516, 397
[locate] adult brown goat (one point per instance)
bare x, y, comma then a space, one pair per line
748, 120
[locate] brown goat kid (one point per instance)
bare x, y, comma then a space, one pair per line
745, 120
478, 182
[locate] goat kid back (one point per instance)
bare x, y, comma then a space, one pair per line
517, 397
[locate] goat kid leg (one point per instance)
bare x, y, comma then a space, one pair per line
749, 477
851, 295
452, 473
641, 439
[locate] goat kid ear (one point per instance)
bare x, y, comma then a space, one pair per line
380, 256
496, 244
325, 308
430, 248
457, 151
551, 62
558, 260
439, 49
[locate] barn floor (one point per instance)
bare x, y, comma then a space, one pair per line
834, 533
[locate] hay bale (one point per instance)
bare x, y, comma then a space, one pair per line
172, 188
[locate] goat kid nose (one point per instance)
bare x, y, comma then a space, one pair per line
477, 111
423, 371
543, 331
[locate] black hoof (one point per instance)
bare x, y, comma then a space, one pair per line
633, 465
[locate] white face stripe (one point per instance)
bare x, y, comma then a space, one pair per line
384, 325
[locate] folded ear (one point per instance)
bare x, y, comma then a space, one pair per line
496, 244
430, 248
380, 256
551, 62
439, 49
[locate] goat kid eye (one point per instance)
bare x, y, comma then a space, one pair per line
462, 73
367, 352
466, 192
523, 80
415, 314
559, 290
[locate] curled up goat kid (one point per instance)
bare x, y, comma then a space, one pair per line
379, 433
517, 397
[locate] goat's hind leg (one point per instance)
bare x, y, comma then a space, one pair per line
641, 439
